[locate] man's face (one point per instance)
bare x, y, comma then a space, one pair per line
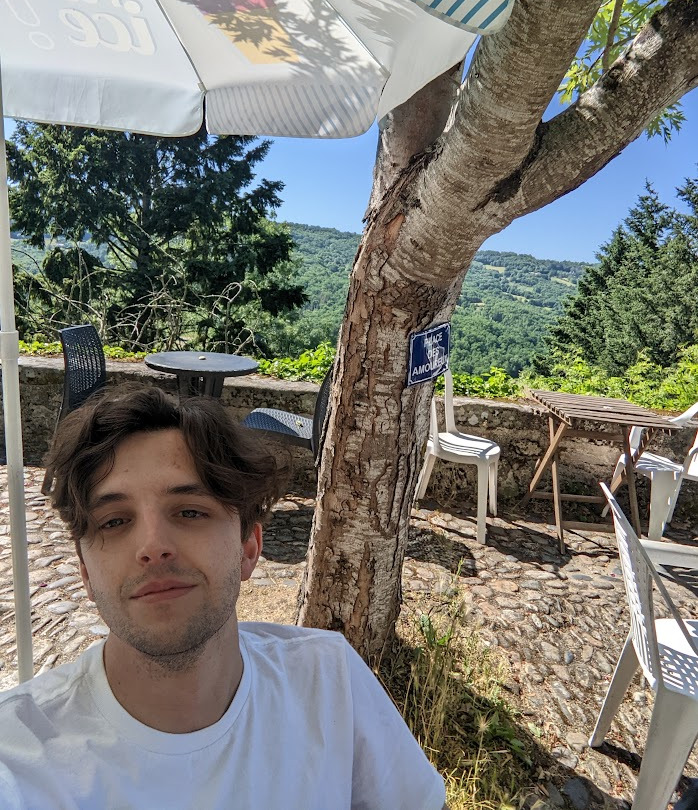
165, 566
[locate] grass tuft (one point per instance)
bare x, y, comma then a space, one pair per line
449, 687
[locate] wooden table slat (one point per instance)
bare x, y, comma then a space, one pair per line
633, 420
577, 406
599, 412
559, 396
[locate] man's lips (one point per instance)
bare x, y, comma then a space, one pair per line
162, 589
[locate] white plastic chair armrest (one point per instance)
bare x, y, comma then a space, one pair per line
686, 415
689, 458
662, 553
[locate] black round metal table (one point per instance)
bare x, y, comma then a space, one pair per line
201, 373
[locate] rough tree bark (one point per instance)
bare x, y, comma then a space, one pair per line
454, 167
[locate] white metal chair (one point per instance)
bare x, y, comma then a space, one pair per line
462, 448
667, 652
666, 476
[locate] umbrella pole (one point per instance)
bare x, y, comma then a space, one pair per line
9, 352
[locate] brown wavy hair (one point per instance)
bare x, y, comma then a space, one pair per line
232, 462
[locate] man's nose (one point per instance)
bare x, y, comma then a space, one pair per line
155, 541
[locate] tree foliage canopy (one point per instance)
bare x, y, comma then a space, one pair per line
184, 249
641, 298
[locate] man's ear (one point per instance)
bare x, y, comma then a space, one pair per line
86, 581
251, 549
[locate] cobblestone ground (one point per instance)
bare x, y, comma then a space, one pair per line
560, 620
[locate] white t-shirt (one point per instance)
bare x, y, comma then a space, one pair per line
310, 728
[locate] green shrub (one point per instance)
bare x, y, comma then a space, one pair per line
47, 348
493, 384
646, 383
315, 363
311, 365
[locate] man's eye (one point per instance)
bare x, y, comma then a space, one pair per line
192, 513
112, 523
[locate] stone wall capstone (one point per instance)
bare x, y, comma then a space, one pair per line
520, 431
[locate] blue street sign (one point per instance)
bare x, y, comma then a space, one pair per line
429, 354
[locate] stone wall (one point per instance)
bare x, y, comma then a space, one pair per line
516, 427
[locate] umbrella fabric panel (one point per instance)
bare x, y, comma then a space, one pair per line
97, 64
479, 16
289, 67
314, 110
411, 45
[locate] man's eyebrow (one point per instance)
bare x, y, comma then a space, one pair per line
107, 498
190, 489
119, 497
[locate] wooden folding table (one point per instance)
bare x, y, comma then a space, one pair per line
565, 412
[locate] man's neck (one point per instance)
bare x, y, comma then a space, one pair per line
176, 696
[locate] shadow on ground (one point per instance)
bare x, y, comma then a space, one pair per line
287, 534
482, 734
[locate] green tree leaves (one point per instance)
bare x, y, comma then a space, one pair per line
613, 29
158, 241
641, 298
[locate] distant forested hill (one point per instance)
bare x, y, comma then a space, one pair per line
508, 299
507, 303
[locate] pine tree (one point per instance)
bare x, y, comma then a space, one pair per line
155, 240
641, 295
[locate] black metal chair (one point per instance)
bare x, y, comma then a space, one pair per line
292, 428
85, 373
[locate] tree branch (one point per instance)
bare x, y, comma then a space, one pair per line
612, 28
512, 78
510, 82
659, 67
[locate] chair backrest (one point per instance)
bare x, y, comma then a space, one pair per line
448, 410
639, 575
690, 465
635, 437
686, 415
85, 367
448, 401
323, 399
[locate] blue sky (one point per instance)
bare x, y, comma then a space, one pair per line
328, 183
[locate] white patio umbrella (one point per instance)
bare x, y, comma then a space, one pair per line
305, 68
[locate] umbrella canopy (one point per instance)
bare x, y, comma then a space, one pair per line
305, 68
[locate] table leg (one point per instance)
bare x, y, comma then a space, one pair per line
191, 385
213, 385
616, 481
544, 462
184, 381
557, 503
630, 474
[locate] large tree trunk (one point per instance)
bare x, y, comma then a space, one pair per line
447, 177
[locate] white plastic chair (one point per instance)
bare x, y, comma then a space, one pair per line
462, 448
666, 476
667, 652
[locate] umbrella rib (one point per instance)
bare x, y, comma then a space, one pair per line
202, 86
384, 70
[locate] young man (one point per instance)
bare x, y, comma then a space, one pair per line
181, 707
